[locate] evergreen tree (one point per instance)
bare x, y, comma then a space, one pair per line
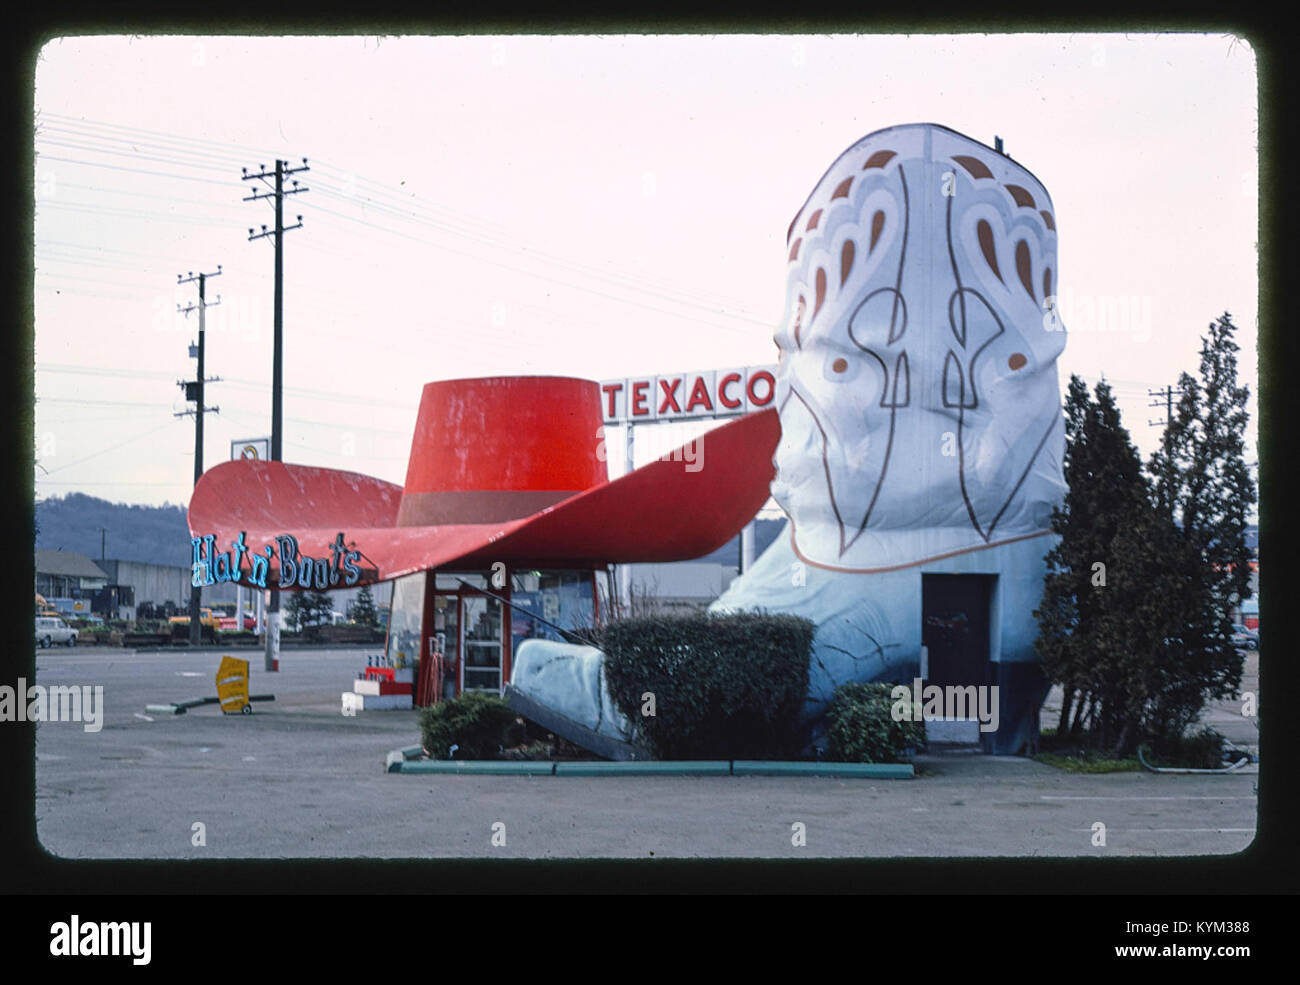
1106, 494
305, 610
363, 609
1202, 477
1134, 618
295, 611
317, 608
1156, 685
1204, 485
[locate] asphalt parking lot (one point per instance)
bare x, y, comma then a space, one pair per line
297, 779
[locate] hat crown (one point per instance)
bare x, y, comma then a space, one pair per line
499, 448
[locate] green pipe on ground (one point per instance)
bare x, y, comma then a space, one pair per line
474, 766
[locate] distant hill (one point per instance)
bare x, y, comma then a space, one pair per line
157, 534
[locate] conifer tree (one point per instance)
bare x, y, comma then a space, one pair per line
363, 609
1106, 495
1204, 486
1134, 618
295, 611
317, 607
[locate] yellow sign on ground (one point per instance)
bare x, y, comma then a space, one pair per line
232, 686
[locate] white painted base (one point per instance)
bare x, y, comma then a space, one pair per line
377, 687
962, 731
376, 702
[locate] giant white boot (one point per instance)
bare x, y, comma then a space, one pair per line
921, 425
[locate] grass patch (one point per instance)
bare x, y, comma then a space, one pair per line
1068, 755
1201, 750
1086, 762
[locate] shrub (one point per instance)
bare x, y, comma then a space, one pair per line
1201, 750
725, 686
860, 726
480, 724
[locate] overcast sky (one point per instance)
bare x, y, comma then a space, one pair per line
593, 207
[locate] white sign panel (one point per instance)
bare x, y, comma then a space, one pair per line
255, 448
682, 396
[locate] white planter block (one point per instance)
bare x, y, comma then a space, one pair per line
961, 731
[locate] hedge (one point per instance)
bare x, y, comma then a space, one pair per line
860, 726
480, 724
727, 686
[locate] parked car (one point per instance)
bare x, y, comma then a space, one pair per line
1245, 639
207, 618
52, 629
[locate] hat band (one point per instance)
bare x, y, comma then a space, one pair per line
433, 509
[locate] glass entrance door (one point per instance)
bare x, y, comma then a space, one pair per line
446, 639
481, 649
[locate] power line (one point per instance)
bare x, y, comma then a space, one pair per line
118, 167
105, 451
406, 211
520, 270
215, 148
613, 276
116, 482
1168, 394
230, 381
164, 137
105, 249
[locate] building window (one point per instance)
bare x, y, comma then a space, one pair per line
561, 598
405, 616
482, 643
457, 580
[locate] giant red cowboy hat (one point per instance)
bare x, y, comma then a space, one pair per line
501, 469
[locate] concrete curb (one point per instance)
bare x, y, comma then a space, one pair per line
870, 771
402, 761
393, 762
480, 766
643, 767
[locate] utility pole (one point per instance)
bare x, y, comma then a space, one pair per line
1167, 394
278, 192
194, 391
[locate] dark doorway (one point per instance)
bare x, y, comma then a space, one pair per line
955, 627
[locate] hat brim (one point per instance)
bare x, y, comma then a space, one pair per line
676, 508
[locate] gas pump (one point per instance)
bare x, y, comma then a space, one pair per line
437, 673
